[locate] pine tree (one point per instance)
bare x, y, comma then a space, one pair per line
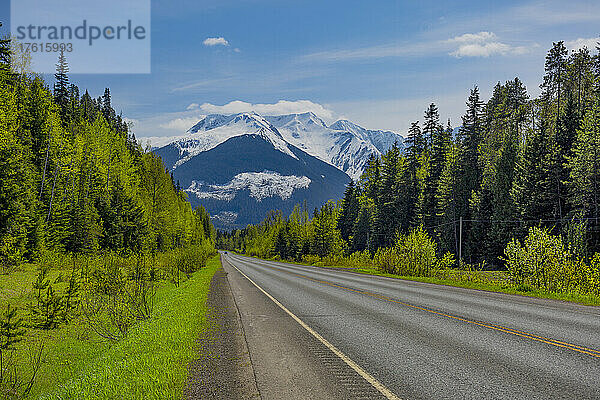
11, 333
281, 243
4, 54
361, 232
415, 145
553, 80
349, 211
533, 187
431, 124
46, 314
448, 196
470, 136
107, 110
439, 147
61, 86
387, 216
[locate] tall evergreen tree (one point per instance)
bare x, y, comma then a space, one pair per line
431, 124
470, 136
4, 53
61, 84
386, 218
349, 211
414, 146
552, 86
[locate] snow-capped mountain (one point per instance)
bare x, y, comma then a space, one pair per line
222, 128
342, 148
241, 166
382, 140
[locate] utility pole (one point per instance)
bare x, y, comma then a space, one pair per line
460, 243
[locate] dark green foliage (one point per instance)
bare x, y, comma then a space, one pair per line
349, 212
61, 86
4, 53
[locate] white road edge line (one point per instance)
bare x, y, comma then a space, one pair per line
368, 377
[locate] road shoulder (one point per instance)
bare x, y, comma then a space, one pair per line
223, 369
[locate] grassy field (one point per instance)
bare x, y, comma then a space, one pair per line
492, 281
151, 362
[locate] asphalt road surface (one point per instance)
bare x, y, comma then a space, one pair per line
315, 333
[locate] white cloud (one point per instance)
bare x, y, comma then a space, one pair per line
180, 124
580, 43
193, 106
216, 41
482, 44
474, 37
279, 108
203, 83
376, 52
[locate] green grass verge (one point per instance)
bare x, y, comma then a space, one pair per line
497, 287
489, 287
151, 362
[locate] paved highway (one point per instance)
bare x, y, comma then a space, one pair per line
321, 333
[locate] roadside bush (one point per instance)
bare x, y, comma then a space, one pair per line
542, 261
545, 262
414, 254
117, 294
358, 259
312, 259
13, 382
186, 261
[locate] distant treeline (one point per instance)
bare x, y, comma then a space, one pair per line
513, 164
74, 179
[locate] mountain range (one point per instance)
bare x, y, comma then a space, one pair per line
241, 166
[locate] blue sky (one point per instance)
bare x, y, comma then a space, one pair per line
376, 63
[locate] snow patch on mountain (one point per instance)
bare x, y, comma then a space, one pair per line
260, 184
225, 217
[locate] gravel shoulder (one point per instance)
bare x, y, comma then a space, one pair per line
223, 369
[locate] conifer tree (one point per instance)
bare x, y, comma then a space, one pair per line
349, 211
61, 84
553, 80
361, 232
4, 54
431, 124
415, 145
387, 209
470, 136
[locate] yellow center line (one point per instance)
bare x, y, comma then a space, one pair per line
553, 342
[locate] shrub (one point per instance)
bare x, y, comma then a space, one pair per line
358, 259
543, 262
311, 259
413, 254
